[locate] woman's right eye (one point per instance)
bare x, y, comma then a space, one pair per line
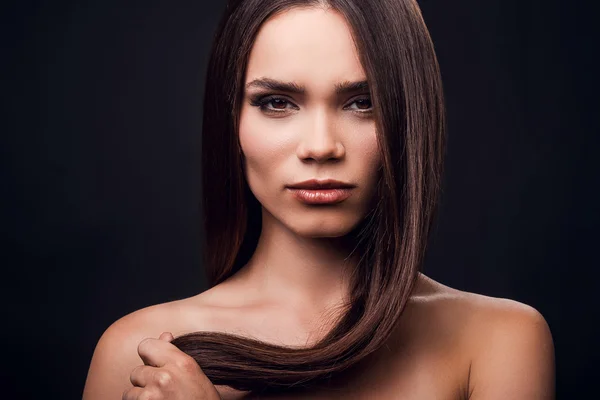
277, 104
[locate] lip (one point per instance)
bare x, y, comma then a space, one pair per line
321, 184
321, 191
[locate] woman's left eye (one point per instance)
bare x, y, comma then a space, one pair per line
363, 101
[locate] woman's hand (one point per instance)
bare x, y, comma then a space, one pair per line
168, 374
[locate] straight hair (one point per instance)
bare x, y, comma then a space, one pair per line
398, 57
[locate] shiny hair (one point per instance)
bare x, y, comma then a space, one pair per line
398, 57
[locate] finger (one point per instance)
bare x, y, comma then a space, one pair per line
157, 353
136, 393
142, 375
166, 336
133, 393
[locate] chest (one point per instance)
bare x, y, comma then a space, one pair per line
383, 376
424, 358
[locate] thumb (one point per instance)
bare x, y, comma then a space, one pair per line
166, 336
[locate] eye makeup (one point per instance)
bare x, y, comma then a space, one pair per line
262, 101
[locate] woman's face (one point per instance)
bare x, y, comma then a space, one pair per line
288, 137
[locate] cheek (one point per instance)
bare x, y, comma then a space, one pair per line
264, 151
371, 154
363, 148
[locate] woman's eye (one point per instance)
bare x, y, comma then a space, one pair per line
364, 105
276, 105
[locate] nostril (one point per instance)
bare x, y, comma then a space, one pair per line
322, 152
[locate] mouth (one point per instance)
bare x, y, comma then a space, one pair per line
321, 192
314, 184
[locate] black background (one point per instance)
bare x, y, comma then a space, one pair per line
101, 171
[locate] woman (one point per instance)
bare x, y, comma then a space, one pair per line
322, 153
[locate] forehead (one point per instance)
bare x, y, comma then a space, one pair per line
312, 46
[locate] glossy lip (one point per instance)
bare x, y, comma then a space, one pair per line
321, 184
327, 191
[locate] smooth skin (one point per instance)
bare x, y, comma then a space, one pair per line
448, 344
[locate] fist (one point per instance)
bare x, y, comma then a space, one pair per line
168, 374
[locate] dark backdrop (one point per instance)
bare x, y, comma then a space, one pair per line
101, 170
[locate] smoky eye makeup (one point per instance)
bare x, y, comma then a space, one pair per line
278, 105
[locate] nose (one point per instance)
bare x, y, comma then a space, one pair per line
319, 142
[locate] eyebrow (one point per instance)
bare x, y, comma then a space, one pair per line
292, 87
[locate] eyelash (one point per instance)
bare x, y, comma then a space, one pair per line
261, 101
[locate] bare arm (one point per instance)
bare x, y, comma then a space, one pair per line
515, 357
112, 362
116, 354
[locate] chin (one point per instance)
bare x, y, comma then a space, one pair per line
323, 227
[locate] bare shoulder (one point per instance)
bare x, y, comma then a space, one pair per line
479, 313
115, 355
513, 351
508, 343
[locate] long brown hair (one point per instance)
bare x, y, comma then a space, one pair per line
398, 57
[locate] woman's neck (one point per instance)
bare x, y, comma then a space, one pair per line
298, 271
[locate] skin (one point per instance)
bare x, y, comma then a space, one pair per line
449, 344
